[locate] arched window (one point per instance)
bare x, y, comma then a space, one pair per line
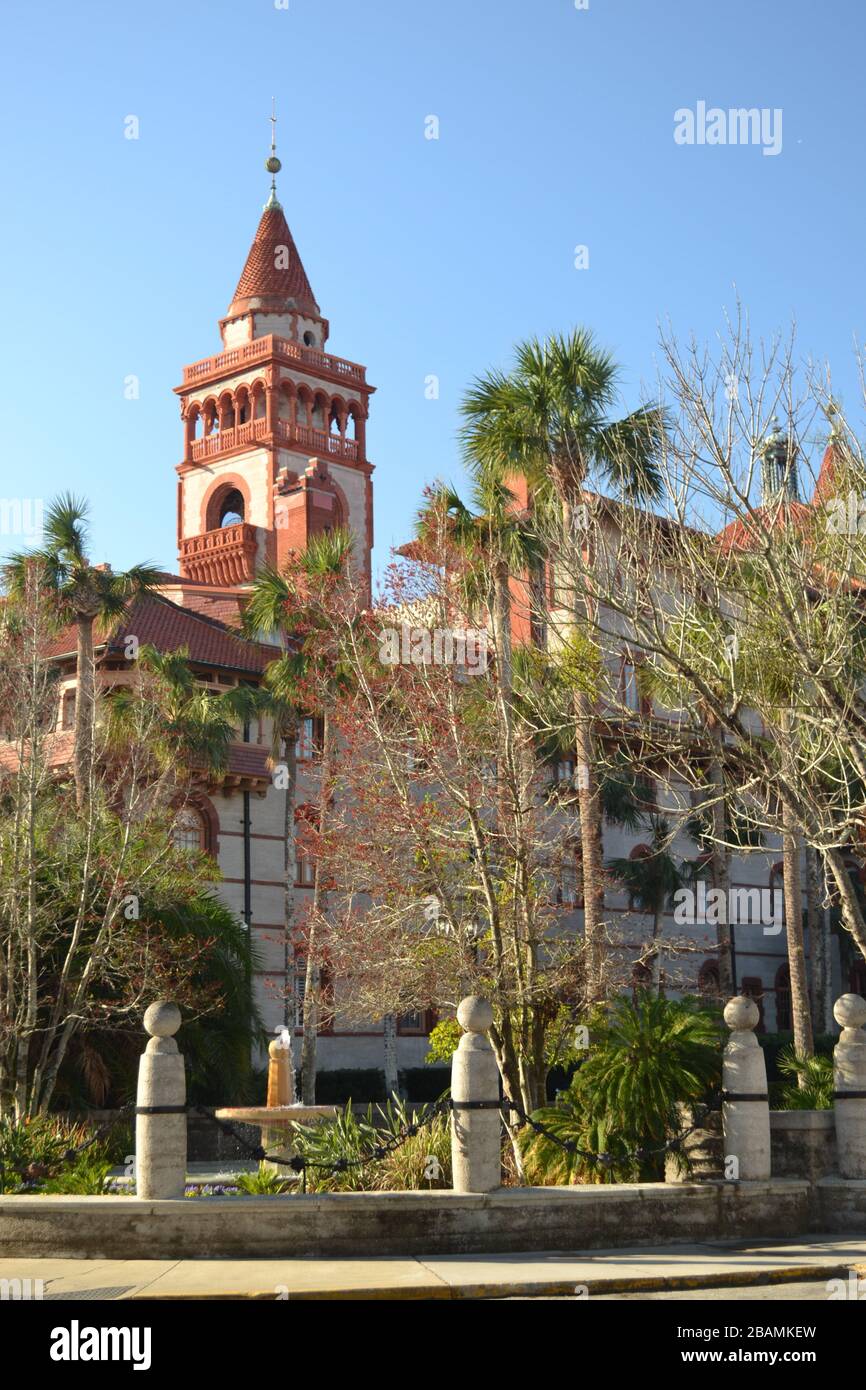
190, 830
708, 978
231, 509
641, 977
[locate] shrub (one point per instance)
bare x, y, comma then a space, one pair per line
645, 1059
263, 1182
352, 1139
442, 1042
816, 1091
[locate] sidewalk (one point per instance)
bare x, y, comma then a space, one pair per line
599, 1272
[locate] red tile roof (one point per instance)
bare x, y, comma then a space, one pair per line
273, 277
825, 487
738, 535
167, 626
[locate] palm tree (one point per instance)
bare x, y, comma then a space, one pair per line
494, 542
547, 421
83, 593
651, 879
289, 604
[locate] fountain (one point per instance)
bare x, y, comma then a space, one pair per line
282, 1112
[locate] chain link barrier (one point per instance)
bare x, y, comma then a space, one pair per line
299, 1164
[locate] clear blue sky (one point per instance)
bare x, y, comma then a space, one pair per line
556, 128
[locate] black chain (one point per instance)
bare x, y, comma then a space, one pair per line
299, 1164
607, 1160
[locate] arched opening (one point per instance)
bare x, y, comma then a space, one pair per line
708, 978
226, 411
231, 511
309, 338
190, 830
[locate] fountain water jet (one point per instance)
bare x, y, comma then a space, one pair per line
282, 1112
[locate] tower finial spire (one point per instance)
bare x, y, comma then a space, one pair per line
272, 164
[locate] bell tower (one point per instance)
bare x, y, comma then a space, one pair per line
274, 426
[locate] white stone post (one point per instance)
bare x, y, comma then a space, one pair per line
475, 1123
745, 1103
849, 1074
160, 1123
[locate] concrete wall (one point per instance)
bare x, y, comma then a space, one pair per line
803, 1144
410, 1223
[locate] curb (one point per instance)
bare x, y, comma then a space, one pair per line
544, 1288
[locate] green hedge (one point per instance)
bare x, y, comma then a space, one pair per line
357, 1084
424, 1083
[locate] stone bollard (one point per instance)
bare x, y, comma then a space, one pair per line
475, 1124
745, 1103
849, 1076
160, 1124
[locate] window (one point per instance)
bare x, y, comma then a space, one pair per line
419, 1021
326, 994
565, 772
630, 693
783, 999
708, 978
309, 740
306, 820
190, 831
570, 892
67, 715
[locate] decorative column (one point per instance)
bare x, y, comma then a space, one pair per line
849, 1077
475, 1122
160, 1124
746, 1107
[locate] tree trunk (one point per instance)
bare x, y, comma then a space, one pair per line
85, 696
657, 955
592, 863
389, 1043
852, 913
801, 1016
817, 940
290, 864
721, 876
313, 977
589, 802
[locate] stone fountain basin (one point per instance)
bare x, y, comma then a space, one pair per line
276, 1123
276, 1116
